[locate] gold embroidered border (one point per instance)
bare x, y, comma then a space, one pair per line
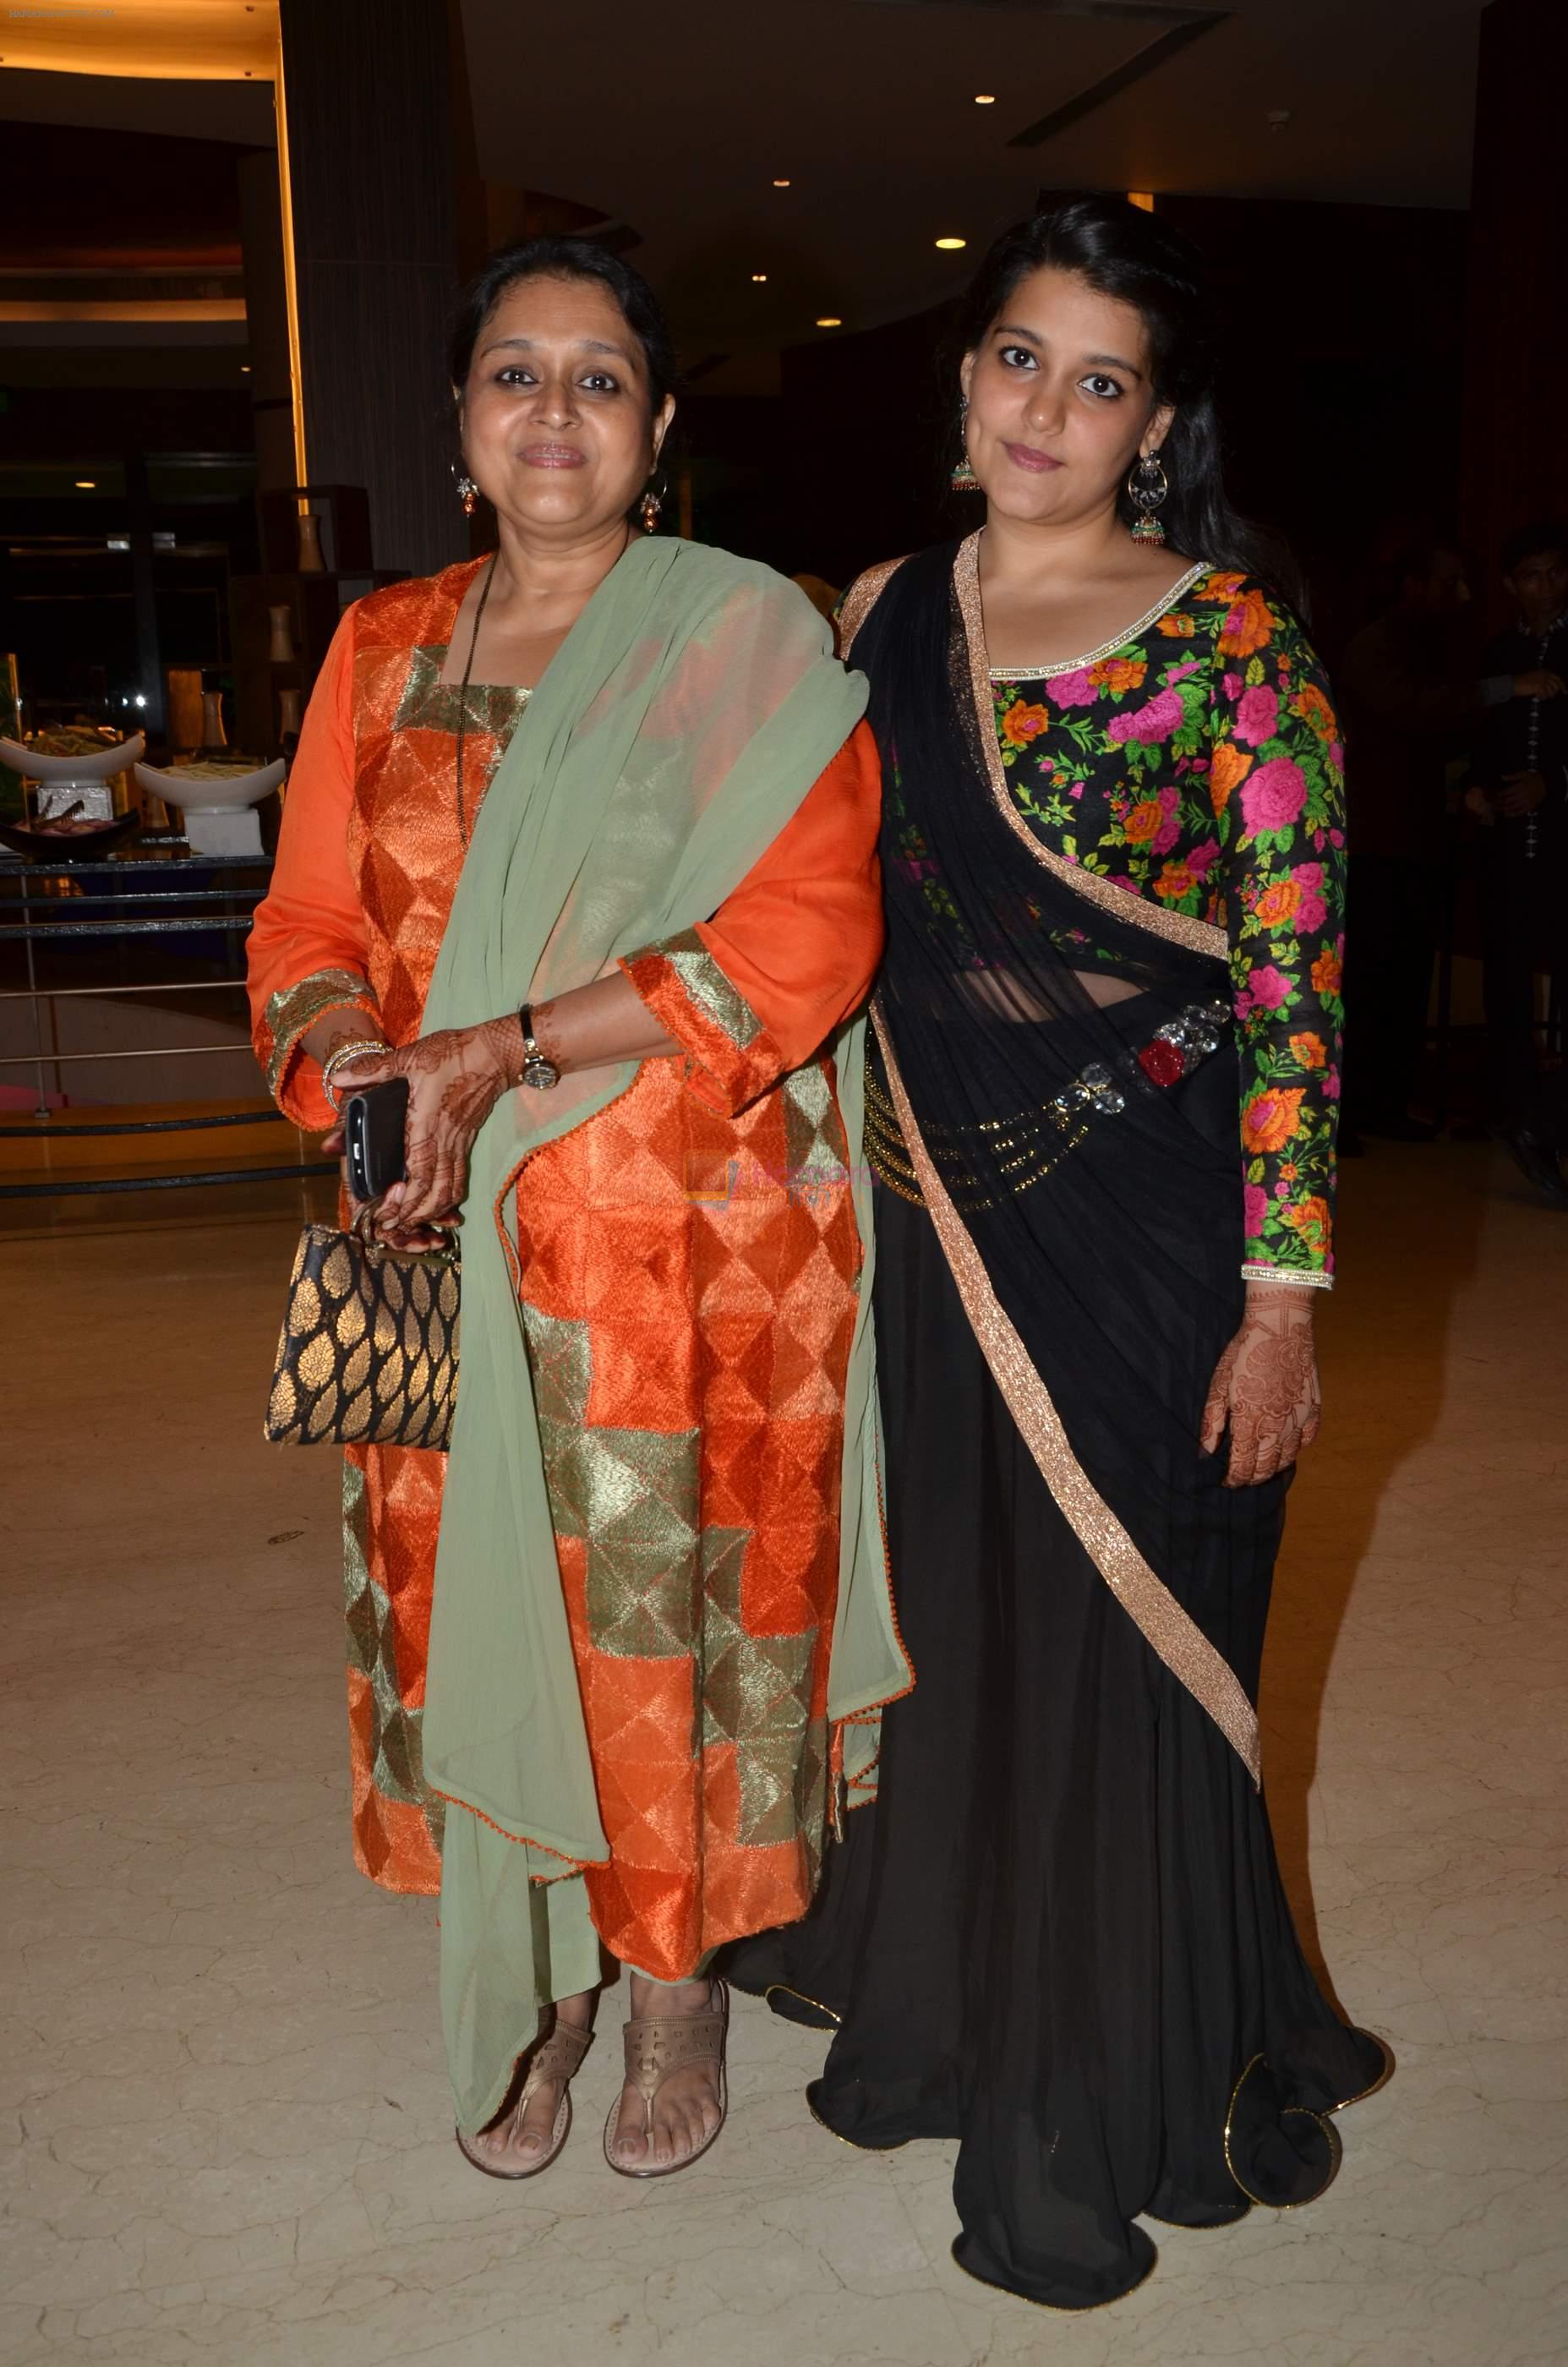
293, 1009
861, 599
1180, 928
1181, 1643
705, 985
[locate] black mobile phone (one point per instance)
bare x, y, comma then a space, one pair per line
373, 1123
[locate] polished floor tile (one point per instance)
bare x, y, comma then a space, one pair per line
224, 2134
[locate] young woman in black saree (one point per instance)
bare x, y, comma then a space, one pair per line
1101, 1104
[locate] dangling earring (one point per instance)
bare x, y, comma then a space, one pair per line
468, 492
649, 511
1148, 490
964, 479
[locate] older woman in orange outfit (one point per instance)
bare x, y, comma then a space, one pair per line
632, 1753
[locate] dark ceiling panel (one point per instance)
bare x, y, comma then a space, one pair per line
867, 108
1123, 77
118, 201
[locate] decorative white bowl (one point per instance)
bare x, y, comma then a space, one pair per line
219, 793
95, 764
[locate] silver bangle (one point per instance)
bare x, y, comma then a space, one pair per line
1293, 1275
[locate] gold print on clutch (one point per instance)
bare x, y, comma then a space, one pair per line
369, 1348
282, 1406
305, 1306
349, 1326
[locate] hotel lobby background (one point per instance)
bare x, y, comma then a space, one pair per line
226, 2134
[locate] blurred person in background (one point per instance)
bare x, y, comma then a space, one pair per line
1521, 776
1411, 699
1403, 714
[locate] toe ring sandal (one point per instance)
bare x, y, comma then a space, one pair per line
657, 2045
559, 2056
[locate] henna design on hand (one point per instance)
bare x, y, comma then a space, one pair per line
1266, 1385
456, 1077
547, 1034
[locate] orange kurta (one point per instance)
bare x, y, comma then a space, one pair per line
688, 1265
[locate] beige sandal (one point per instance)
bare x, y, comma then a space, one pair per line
657, 2045
560, 2056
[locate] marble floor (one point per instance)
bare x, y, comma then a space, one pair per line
226, 2137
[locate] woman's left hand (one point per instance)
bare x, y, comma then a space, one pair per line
1265, 1385
455, 1078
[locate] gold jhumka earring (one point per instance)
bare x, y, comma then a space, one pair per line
964, 479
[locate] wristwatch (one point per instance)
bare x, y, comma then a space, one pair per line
537, 1070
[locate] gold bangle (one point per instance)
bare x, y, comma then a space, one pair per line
343, 1053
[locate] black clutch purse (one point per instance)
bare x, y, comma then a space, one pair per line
368, 1352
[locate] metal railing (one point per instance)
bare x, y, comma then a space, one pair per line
73, 917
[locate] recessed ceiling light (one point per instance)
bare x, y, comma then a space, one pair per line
245, 369
984, 98
952, 245
759, 280
782, 185
829, 321
86, 484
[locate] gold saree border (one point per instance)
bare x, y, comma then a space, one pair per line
861, 598
1180, 928
1176, 1638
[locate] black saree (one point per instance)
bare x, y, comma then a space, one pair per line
1059, 1934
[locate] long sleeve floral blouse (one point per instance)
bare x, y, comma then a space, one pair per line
1200, 765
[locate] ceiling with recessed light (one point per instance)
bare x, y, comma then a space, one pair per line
682, 123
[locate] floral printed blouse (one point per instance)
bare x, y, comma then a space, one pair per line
1198, 764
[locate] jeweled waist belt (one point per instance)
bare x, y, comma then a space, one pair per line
1016, 1153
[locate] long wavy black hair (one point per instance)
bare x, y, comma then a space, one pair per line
1124, 253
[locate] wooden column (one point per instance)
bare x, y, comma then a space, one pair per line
267, 319
1515, 427
369, 93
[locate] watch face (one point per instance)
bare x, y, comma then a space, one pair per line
541, 1074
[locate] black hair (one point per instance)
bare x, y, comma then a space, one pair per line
1124, 253
566, 258
1534, 542
1409, 562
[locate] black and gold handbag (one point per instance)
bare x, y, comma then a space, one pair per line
368, 1352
